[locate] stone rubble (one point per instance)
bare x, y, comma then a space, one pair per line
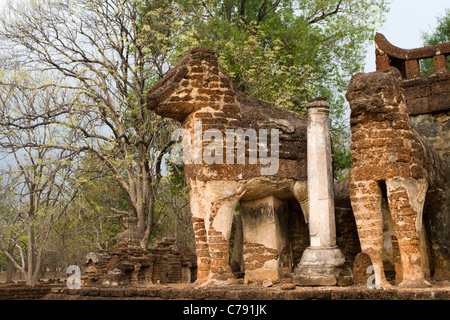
128, 264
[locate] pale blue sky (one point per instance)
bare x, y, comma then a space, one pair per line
405, 23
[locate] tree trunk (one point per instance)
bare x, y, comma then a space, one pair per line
30, 277
141, 220
149, 229
9, 271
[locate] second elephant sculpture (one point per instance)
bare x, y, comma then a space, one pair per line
398, 178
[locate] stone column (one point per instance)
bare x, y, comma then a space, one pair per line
321, 261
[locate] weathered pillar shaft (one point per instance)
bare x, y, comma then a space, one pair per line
320, 176
322, 261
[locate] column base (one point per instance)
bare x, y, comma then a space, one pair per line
321, 267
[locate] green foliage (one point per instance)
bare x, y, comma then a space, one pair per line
290, 41
342, 161
90, 224
442, 32
440, 35
100, 197
286, 52
2, 261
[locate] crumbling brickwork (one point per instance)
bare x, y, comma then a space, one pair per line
256, 254
198, 94
428, 105
393, 161
346, 231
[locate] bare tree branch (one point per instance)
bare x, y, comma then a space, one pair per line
325, 15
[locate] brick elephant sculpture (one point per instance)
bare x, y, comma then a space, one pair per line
396, 176
198, 94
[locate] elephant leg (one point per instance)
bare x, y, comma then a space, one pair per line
366, 203
198, 208
222, 197
406, 200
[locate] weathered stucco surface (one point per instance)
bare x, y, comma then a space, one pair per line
267, 251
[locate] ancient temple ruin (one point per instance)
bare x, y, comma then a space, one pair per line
427, 96
297, 222
129, 264
197, 92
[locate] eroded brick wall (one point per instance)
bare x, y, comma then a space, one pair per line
199, 94
131, 265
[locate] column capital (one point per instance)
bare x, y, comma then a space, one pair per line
318, 104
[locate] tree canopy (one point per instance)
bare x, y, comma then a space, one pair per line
441, 34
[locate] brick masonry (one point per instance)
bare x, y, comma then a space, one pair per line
279, 291
128, 264
392, 160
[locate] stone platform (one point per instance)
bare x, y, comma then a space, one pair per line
280, 290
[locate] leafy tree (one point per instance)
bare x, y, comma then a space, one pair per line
90, 224
37, 175
440, 35
173, 201
107, 53
6, 217
98, 194
2, 262
40, 193
286, 52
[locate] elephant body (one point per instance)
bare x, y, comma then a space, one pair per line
198, 94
